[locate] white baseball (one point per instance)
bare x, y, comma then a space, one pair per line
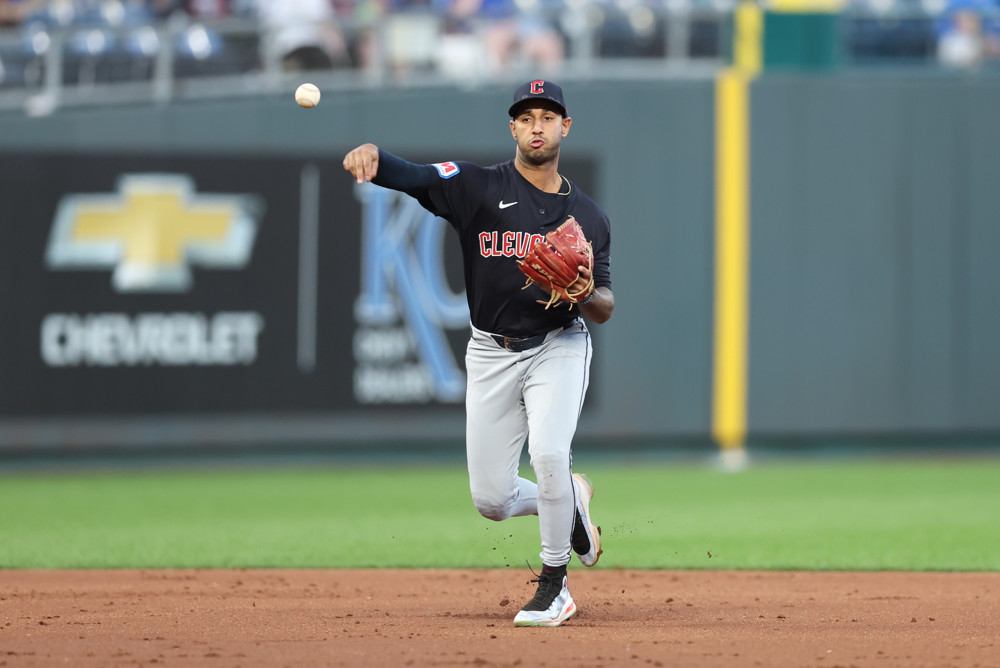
307, 95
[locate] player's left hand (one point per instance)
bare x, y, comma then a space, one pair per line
584, 284
580, 284
555, 264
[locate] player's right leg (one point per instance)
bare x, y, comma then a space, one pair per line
496, 427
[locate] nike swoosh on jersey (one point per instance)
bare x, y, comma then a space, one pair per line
504, 205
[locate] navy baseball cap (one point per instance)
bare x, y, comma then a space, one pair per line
538, 90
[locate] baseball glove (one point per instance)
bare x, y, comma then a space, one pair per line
553, 264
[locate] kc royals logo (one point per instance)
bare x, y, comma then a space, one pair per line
405, 305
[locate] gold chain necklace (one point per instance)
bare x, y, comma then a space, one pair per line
569, 186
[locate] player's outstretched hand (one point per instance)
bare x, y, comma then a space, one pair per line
362, 162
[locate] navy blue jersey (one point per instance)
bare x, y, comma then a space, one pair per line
498, 214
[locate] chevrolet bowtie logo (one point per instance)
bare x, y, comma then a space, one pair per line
152, 231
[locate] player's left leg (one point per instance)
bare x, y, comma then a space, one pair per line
554, 388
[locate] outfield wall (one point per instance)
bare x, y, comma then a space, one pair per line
310, 310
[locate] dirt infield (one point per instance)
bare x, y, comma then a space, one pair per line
463, 618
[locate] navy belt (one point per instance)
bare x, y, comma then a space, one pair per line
520, 344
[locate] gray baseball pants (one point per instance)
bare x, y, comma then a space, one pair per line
536, 395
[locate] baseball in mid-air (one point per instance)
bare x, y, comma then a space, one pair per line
307, 95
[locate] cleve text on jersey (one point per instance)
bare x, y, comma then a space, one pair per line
507, 244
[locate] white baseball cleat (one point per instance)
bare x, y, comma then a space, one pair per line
551, 606
586, 537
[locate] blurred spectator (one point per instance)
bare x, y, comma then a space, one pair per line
409, 36
970, 34
13, 66
632, 30
493, 36
513, 34
204, 44
363, 17
14, 12
202, 10
303, 33
461, 53
161, 9
208, 9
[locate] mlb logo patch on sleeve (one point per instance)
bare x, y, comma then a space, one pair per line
446, 169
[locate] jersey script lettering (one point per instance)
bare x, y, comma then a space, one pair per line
507, 244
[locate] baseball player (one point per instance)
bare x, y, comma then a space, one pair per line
528, 362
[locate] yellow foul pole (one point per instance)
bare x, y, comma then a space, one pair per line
732, 238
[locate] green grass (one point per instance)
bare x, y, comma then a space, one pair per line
861, 515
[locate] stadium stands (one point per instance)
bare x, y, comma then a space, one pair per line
51, 46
